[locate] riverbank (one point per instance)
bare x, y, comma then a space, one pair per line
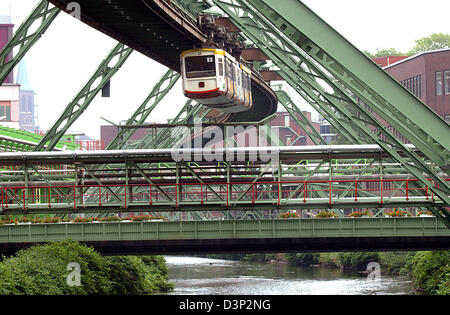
69, 268
429, 271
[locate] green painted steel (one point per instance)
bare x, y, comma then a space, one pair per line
299, 117
277, 49
15, 140
106, 70
242, 229
298, 22
284, 54
26, 36
160, 90
386, 97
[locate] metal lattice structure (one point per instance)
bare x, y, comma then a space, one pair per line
362, 103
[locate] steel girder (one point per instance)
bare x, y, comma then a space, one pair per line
147, 181
383, 94
26, 36
304, 72
106, 70
293, 70
160, 90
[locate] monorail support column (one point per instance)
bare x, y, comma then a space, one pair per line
25, 192
347, 81
24, 38
106, 70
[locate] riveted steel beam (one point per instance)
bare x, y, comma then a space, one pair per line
299, 117
26, 36
405, 112
159, 91
256, 30
106, 70
288, 57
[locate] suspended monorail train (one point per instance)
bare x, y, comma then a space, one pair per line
216, 79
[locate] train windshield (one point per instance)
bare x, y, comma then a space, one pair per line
200, 67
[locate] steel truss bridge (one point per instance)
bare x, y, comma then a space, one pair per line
316, 177
371, 112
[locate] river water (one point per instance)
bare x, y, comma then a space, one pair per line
202, 276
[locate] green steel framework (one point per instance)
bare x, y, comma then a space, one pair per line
160, 90
149, 181
26, 36
306, 59
22, 141
307, 69
294, 112
106, 70
234, 230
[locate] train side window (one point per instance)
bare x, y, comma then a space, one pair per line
221, 67
200, 67
229, 70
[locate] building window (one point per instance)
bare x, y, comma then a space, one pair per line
287, 121
447, 82
5, 113
439, 83
414, 85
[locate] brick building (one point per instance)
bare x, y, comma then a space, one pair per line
427, 76
290, 132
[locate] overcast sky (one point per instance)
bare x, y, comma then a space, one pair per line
69, 52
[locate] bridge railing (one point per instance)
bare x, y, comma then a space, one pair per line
311, 193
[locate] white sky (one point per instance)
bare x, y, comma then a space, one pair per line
69, 52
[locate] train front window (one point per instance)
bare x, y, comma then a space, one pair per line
200, 67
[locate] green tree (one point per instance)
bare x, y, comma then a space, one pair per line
433, 42
302, 259
430, 271
357, 261
383, 52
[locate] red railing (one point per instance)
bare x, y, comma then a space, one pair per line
202, 193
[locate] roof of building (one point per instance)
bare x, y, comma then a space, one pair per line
416, 56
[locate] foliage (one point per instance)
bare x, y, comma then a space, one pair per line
357, 261
383, 52
51, 220
141, 218
82, 220
111, 219
358, 214
430, 271
301, 259
132, 276
42, 270
398, 213
326, 214
392, 262
329, 260
425, 212
289, 215
433, 42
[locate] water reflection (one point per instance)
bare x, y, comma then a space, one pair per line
201, 276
